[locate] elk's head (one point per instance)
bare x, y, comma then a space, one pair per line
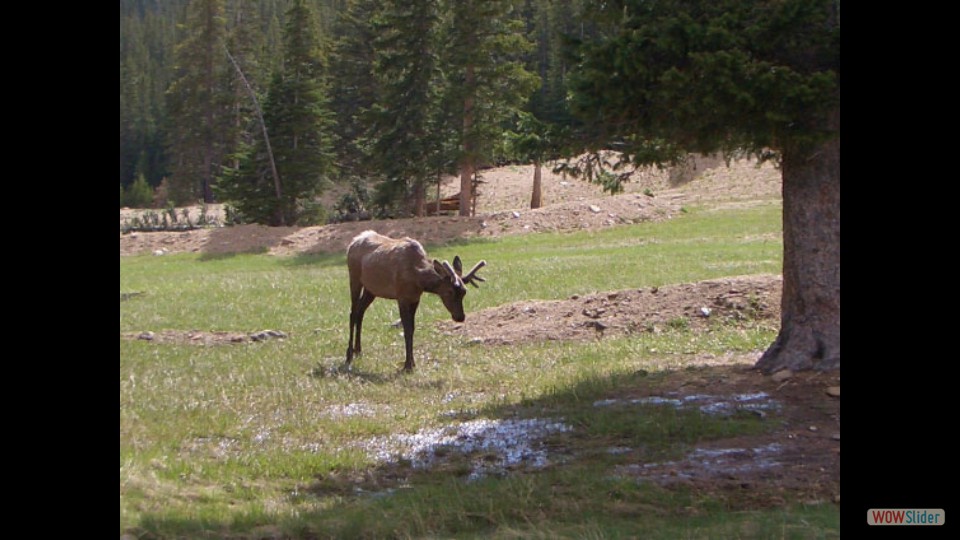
453, 284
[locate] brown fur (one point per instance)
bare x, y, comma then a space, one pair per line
398, 269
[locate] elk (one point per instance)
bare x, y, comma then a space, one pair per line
398, 269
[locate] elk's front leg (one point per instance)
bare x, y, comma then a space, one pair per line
356, 323
408, 311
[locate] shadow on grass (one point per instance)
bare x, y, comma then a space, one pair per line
215, 256
339, 371
577, 492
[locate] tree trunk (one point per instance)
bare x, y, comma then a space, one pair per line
467, 165
207, 187
439, 183
809, 335
535, 199
419, 199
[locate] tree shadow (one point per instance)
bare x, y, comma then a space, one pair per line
584, 455
318, 260
225, 242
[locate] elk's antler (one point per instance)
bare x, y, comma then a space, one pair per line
472, 276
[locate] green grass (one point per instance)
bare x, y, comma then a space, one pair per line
245, 440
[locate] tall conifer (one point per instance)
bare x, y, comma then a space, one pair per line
401, 137
299, 122
198, 103
487, 77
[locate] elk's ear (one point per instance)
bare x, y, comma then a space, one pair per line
458, 265
439, 268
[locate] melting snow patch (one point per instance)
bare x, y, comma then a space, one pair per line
502, 443
710, 462
350, 409
725, 405
735, 460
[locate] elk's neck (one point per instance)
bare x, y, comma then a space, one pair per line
429, 280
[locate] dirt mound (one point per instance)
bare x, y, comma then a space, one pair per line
502, 209
198, 337
590, 214
747, 299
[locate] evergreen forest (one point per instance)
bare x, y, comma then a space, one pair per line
266, 104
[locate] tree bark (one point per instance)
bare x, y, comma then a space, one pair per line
419, 199
439, 183
536, 199
809, 335
467, 165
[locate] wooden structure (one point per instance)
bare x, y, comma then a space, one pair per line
448, 206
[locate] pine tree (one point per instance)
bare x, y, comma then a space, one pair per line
199, 106
147, 37
487, 79
761, 78
351, 69
245, 43
139, 194
533, 140
299, 123
402, 141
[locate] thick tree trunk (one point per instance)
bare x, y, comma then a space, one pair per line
419, 199
810, 309
536, 199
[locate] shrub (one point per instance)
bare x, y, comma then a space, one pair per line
139, 194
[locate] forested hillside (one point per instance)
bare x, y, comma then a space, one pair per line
268, 103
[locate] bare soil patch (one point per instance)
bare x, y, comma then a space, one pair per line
201, 337
502, 208
288, 241
751, 299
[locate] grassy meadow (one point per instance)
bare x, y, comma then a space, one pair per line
269, 439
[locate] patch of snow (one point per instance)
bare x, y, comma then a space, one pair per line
709, 404
709, 462
348, 410
502, 443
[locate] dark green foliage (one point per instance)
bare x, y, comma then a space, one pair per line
485, 47
533, 140
352, 70
184, 115
138, 195
147, 37
199, 103
666, 77
549, 26
402, 140
710, 76
300, 128
354, 204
